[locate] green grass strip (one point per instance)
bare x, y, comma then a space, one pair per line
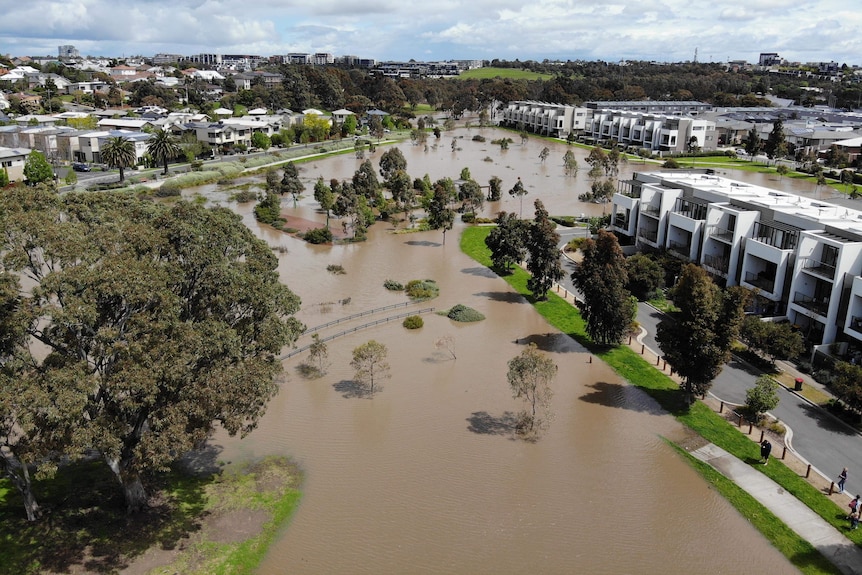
638, 372
798, 551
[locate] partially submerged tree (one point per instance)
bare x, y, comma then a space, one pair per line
440, 215
507, 241
530, 375
543, 261
519, 191
369, 363
318, 354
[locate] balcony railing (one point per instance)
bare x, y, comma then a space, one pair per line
649, 235
817, 305
856, 323
760, 281
719, 263
621, 222
723, 234
650, 210
820, 268
679, 249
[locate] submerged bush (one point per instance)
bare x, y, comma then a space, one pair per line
168, 189
464, 314
393, 285
337, 270
422, 289
318, 236
413, 322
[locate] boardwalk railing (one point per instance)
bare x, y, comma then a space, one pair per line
356, 315
357, 328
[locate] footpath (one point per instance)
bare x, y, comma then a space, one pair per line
831, 543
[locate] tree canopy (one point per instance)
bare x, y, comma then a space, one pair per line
507, 241
158, 322
543, 262
37, 169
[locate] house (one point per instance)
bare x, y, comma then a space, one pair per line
36, 120
130, 124
89, 144
12, 162
339, 116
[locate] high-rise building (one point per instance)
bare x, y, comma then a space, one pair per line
67, 51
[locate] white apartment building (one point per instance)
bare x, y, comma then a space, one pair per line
557, 120
656, 132
802, 257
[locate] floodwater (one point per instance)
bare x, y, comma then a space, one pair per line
425, 476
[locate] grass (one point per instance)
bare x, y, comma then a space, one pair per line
513, 73
638, 372
799, 551
86, 527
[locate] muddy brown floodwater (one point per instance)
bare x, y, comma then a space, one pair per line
425, 477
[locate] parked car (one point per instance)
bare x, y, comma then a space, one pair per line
79, 167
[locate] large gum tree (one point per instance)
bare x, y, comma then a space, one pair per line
173, 317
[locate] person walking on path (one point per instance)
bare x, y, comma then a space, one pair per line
854, 520
765, 450
842, 478
854, 505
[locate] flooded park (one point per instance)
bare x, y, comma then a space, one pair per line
426, 475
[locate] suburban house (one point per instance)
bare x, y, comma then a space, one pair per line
89, 144
12, 162
801, 257
131, 124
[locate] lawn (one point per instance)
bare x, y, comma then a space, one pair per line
513, 73
638, 372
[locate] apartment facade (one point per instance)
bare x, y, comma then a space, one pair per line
801, 257
556, 120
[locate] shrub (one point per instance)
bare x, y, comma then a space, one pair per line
464, 314
168, 189
318, 236
335, 269
413, 322
574, 244
243, 196
197, 166
422, 289
468, 218
670, 164
478, 138
393, 285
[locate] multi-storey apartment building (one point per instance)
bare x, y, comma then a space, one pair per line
656, 132
557, 120
802, 257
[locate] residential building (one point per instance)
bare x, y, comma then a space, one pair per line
801, 257
12, 162
656, 132
557, 120
68, 52
89, 144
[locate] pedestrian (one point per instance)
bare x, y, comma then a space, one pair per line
765, 450
854, 504
854, 520
842, 478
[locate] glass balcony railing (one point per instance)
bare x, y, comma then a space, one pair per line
760, 281
649, 235
818, 305
822, 269
723, 234
718, 263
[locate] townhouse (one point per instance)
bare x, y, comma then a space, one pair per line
556, 120
801, 257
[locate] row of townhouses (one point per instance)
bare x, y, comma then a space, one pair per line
802, 257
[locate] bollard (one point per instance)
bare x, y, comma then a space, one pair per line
657, 360
783, 453
739, 423
750, 426
761, 436
642, 348
808, 472
664, 367
591, 359
831, 487
721, 408
630, 340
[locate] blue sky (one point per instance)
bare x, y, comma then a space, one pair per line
669, 30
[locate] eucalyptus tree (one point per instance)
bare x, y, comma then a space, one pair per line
543, 261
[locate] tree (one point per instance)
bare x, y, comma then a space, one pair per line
645, 275
163, 148
470, 193
776, 146
530, 375
570, 163
318, 354
762, 397
369, 363
440, 215
290, 182
179, 317
696, 340
847, 384
37, 169
507, 241
543, 155
4, 178
261, 141
324, 196
495, 189
519, 191
782, 170
119, 152
392, 161
753, 145
601, 278
543, 261
775, 340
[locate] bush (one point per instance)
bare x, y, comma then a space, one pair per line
169, 189
393, 285
464, 314
478, 138
574, 244
413, 322
244, 196
670, 164
197, 166
336, 269
468, 218
422, 289
318, 236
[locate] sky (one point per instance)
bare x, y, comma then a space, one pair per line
660, 30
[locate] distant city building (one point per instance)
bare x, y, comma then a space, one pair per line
160, 59
208, 59
769, 59
322, 59
67, 51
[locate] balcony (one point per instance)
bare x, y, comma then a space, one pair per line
648, 235
650, 210
818, 268
820, 305
722, 234
856, 323
760, 281
620, 221
679, 249
718, 263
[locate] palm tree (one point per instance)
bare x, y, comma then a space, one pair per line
119, 152
162, 148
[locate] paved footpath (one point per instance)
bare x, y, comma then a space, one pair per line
792, 512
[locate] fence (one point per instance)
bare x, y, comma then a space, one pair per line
359, 327
355, 315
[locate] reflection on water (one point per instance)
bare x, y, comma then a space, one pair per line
425, 477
